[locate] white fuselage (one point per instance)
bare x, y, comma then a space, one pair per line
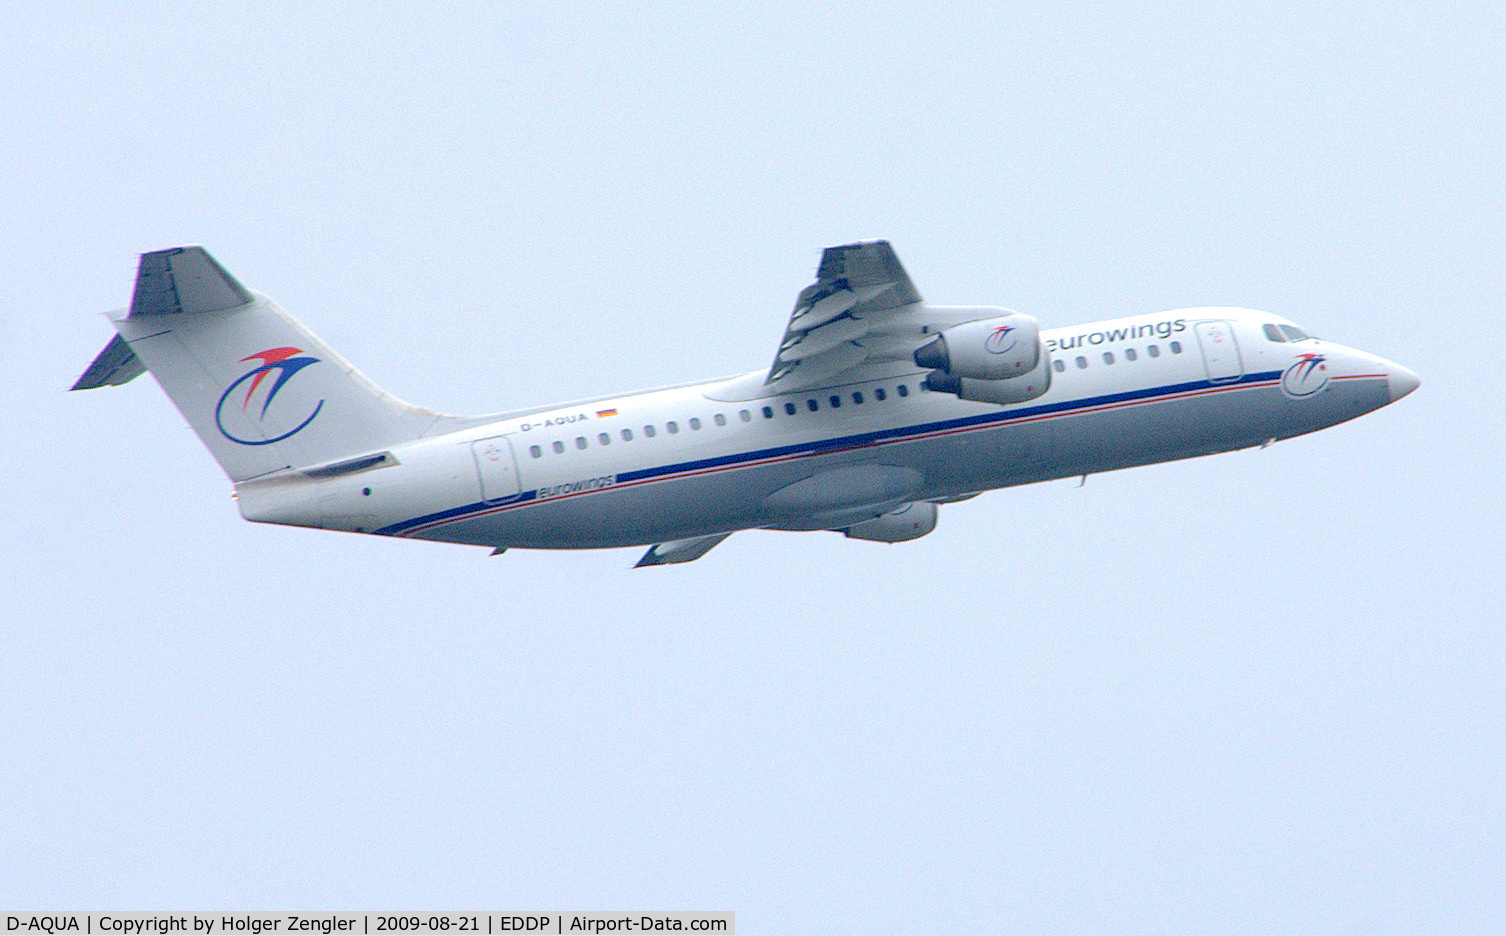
686, 462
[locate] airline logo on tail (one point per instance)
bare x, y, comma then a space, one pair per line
281, 365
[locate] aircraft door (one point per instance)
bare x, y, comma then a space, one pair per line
496, 467
1220, 351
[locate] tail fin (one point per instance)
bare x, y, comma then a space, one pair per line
259, 389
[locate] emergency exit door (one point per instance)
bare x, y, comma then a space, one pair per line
497, 468
1220, 351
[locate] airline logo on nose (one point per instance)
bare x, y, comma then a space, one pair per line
1307, 375
999, 342
278, 361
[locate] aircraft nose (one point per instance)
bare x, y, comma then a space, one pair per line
1401, 381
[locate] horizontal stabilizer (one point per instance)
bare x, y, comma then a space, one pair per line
683, 550
185, 280
115, 365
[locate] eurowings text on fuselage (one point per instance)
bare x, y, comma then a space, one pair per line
876, 409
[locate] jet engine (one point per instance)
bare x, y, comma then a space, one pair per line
997, 360
907, 522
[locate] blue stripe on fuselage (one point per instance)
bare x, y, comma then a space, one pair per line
859, 440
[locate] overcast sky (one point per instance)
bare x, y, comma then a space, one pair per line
1258, 692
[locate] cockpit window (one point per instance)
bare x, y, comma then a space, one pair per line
1273, 333
1294, 333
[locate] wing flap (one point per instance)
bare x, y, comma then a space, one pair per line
823, 339
816, 369
857, 286
832, 306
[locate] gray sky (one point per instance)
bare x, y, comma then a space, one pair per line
1258, 692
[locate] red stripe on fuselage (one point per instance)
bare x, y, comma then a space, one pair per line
775, 459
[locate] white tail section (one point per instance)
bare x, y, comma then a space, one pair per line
262, 391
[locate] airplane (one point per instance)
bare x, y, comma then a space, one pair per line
877, 408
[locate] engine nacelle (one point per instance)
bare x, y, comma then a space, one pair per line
1014, 390
910, 521
989, 349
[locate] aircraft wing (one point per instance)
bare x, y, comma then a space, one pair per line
861, 311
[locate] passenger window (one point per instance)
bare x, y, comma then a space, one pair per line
746, 416
1130, 354
603, 438
559, 448
768, 412
1108, 357
720, 419
789, 409
695, 422
1176, 347
1081, 362
580, 442
535, 451
649, 432
627, 435
836, 401
1272, 332
879, 394
812, 405
1059, 365
902, 390
1154, 350
857, 397
672, 427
